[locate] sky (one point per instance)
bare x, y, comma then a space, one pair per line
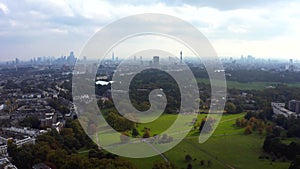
269, 29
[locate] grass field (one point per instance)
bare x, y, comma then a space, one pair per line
227, 148
250, 85
162, 123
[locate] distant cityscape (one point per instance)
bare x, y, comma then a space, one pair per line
248, 62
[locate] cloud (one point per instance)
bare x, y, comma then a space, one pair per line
70, 23
3, 9
279, 47
216, 4
229, 4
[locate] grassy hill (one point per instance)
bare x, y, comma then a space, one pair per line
227, 148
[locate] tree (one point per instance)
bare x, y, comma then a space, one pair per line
69, 140
31, 121
295, 164
110, 164
230, 108
63, 109
57, 157
244, 122
248, 130
57, 150
249, 115
108, 104
277, 131
202, 162
135, 132
43, 150
74, 161
146, 133
23, 157
208, 122
209, 163
92, 153
118, 122
269, 129
163, 165
11, 148
239, 109
188, 158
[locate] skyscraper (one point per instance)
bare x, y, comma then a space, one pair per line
71, 58
156, 60
17, 61
180, 57
141, 59
72, 54
113, 56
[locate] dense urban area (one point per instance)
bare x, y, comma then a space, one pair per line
260, 124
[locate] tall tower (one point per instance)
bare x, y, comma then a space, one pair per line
72, 54
112, 56
17, 61
180, 57
141, 59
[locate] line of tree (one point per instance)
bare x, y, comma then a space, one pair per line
60, 151
253, 124
278, 128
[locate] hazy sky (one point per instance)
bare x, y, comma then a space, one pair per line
31, 28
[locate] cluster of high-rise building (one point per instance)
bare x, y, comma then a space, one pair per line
154, 61
46, 60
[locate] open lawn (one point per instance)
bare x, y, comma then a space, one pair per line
162, 123
250, 85
227, 148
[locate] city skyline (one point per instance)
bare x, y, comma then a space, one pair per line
111, 56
